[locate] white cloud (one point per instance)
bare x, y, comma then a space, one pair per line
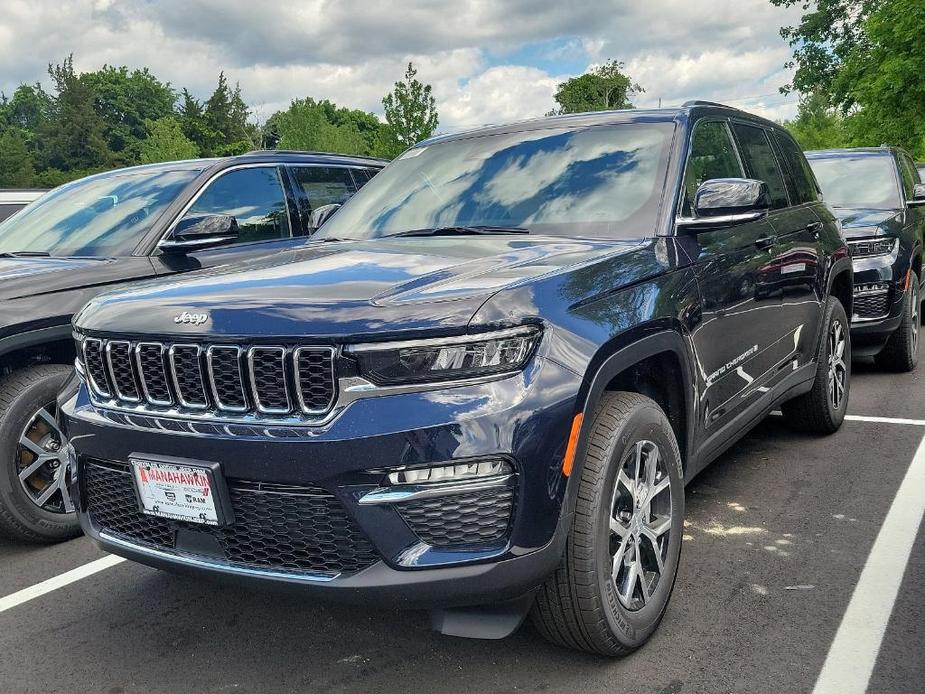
351, 51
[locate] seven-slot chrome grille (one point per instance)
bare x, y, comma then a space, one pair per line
225, 380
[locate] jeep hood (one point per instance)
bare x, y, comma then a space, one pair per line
31, 275
863, 222
383, 287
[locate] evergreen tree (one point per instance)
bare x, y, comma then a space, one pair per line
165, 141
16, 168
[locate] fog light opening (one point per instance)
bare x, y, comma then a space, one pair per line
451, 472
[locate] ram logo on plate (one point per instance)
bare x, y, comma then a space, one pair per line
191, 318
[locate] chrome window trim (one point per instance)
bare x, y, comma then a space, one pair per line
218, 402
112, 374
141, 373
171, 357
253, 381
298, 379
94, 386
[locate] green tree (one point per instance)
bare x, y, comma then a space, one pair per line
16, 168
28, 108
73, 137
192, 121
165, 141
817, 125
225, 122
322, 126
602, 88
410, 110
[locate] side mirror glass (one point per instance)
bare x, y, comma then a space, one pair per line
918, 195
322, 214
205, 231
722, 202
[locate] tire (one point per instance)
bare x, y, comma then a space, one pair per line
901, 352
579, 606
822, 410
23, 394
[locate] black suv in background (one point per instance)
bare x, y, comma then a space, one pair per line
118, 227
877, 194
483, 385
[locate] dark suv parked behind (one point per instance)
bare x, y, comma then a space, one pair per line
487, 380
118, 227
877, 195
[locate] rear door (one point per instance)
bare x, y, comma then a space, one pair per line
319, 185
740, 321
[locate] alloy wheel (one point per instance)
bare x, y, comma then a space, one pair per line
838, 369
42, 465
640, 523
914, 332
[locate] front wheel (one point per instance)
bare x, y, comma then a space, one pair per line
901, 352
621, 558
822, 410
34, 501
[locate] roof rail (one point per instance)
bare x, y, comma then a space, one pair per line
701, 102
311, 153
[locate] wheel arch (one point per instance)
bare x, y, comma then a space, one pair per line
52, 345
841, 284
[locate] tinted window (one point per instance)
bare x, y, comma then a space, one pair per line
712, 155
761, 163
325, 185
100, 216
603, 181
909, 175
252, 196
858, 180
803, 188
7, 211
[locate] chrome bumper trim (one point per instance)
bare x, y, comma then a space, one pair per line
411, 492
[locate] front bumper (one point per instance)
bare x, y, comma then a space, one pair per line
427, 558
879, 291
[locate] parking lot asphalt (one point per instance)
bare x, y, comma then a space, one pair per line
778, 532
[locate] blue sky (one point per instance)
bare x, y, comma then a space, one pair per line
488, 62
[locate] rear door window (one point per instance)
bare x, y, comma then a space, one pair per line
325, 185
802, 182
760, 162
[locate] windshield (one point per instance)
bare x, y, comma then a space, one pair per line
603, 181
865, 180
95, 216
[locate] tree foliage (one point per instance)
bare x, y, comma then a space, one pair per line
410, 110
603, 88
165, 141
817, 125
866, 59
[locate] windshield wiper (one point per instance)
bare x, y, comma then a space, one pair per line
462, 230
25, 254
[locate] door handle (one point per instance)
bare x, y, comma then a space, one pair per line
814, 228
764, 242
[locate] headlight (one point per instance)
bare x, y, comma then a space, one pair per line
446, 359
864, 248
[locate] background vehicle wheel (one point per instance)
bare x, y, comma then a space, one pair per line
901, 352
34, 500
822, 410
621, 557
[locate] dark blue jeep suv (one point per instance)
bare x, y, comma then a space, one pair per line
483, 385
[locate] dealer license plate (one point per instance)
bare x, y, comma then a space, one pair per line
180, 492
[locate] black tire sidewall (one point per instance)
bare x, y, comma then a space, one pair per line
633, 628
39, 393
836, 312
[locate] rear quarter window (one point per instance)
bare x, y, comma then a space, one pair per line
802, 181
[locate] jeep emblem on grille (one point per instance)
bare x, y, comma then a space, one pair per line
191, 318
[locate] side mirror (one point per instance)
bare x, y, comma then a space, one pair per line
195, 233
322, 214
723, 202
918, 195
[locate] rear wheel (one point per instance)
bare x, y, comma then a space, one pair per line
621, 558
901, 352
34, 501
822, 410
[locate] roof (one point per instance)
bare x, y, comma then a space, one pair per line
12, 196
596, 118
848, 152
313, 157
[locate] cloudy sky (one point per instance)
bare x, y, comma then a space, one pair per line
488, 60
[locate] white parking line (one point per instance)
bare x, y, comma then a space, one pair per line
40, 589
853, 653
885, 420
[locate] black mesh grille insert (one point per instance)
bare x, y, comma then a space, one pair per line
153, 373
227, 385
872, 305
123, 373
187, 374
268, 373
93, 356
315, 375
294, 529
460, 519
